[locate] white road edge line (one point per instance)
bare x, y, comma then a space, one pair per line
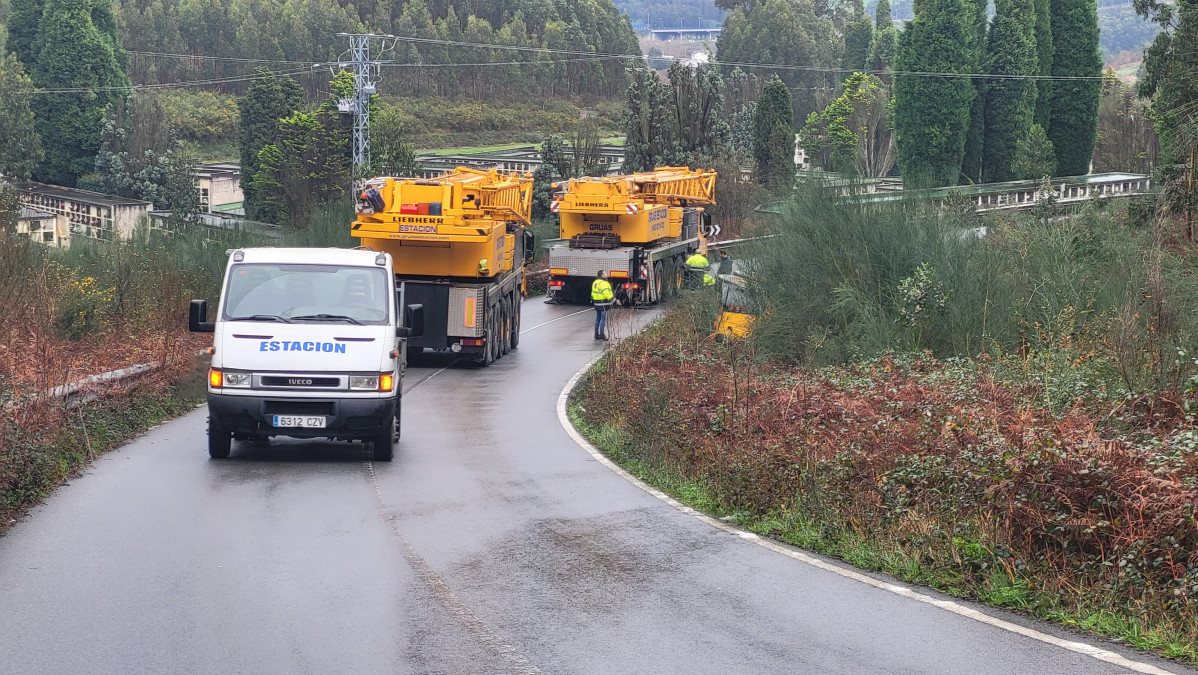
564, 316
948, 605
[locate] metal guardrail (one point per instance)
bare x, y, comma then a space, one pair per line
84, 391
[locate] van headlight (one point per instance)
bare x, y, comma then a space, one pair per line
364, 382
240, 380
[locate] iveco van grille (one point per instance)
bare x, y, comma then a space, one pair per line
300, 382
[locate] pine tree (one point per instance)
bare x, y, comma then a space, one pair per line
1073, 118
20, 146
267, 100
971, 163
774, 135
73, 53
1010, 101
1044, 51
932, 113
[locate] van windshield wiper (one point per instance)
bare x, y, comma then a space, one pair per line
261, 317
328, 317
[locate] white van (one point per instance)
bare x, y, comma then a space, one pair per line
308, 343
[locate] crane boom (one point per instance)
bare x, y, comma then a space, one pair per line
634, 208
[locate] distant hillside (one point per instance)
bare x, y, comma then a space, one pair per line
672, 13
245, 33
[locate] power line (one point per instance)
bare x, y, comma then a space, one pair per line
172, 85
202, 57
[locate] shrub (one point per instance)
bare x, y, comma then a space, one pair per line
842, 280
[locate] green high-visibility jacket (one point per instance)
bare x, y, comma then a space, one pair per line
601, 291
697, 261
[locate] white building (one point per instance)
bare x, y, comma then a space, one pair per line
44, 227
801, 162
220, 187
89, 214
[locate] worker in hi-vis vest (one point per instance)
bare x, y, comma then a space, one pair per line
602, 296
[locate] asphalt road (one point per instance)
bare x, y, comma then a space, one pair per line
492, 544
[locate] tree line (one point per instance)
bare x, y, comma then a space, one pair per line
304, 31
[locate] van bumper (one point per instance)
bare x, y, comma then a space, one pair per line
345, 418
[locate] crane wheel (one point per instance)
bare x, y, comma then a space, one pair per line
516, 322
505, 322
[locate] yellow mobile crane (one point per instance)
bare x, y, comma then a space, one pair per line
638, 227
460, 242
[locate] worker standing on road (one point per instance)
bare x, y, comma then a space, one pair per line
725, 263
696, 266
601, 296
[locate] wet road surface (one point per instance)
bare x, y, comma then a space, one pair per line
492, 544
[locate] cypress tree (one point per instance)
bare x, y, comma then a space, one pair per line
1044, 52
858, 39
645, 123
1073, 117
932, 113
882, 15
1010, 101
265, 102
1171, 80
23, 18
971, 164
72, 53
20, 147
885, 38
774, 135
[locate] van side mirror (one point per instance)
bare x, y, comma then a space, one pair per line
196, 316
530, 246
413, 319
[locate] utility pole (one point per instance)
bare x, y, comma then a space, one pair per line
366, 75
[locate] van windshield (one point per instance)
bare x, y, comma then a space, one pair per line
306, 294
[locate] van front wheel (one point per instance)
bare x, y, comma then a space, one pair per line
384, 443
219, 441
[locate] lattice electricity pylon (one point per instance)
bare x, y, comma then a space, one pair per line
366, 74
